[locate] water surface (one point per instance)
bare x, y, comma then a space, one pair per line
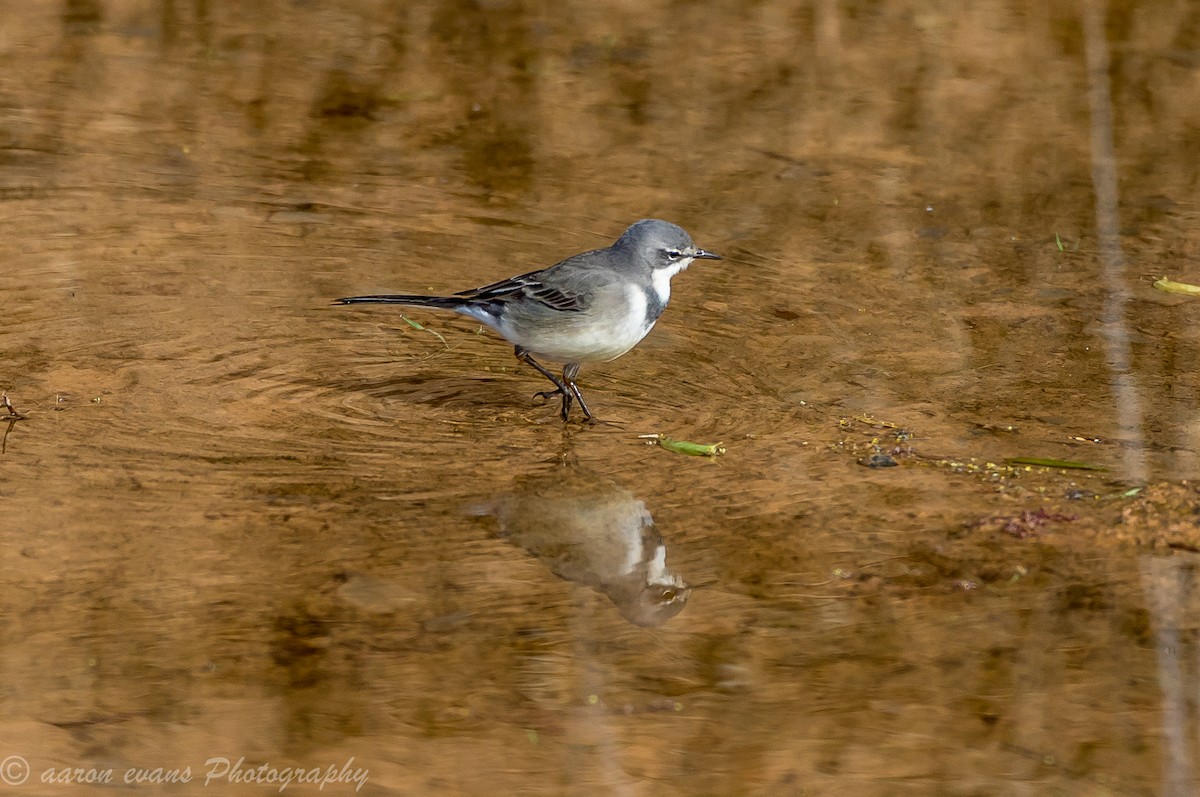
241, 524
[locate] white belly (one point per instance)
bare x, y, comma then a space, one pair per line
587, 338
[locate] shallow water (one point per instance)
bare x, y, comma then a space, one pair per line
243, 524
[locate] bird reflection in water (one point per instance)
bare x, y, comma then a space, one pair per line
590, 530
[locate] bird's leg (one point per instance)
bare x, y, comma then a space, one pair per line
570, 371
560, 389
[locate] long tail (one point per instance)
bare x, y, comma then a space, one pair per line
412, 300
486, 312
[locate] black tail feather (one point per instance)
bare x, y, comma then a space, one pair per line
412, 300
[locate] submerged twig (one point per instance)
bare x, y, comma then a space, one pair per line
13, 415
424, 328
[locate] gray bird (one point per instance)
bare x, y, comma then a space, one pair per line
592, 307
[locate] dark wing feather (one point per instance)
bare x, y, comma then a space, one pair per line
530, 286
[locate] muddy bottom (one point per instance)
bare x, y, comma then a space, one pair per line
254, 542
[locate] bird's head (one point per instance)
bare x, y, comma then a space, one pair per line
662, 245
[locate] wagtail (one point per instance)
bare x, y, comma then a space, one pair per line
592, 307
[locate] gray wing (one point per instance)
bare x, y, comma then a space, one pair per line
566, 286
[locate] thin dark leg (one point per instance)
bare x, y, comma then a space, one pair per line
569, 373
560, 389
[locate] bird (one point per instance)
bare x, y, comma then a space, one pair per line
591, 307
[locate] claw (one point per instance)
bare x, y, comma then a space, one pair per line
565, 387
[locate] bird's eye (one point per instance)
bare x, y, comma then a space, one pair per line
673, 254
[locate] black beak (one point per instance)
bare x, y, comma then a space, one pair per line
703, 255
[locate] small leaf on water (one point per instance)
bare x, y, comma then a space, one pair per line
685, 447
1044, 462
1182, 288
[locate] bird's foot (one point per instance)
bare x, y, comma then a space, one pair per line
565, 409
546, 395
